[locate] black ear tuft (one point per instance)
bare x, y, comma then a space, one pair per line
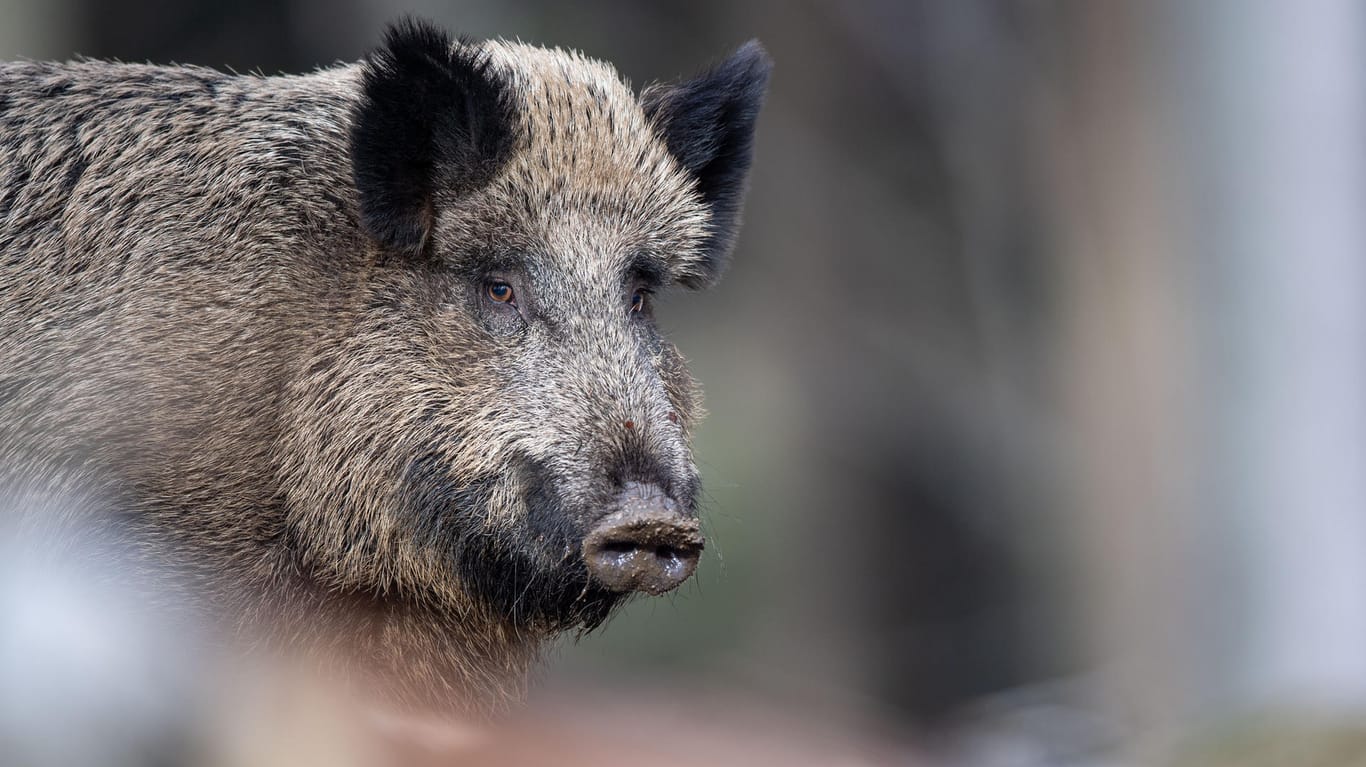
432, 117
708, 125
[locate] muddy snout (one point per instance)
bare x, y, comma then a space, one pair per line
646, 544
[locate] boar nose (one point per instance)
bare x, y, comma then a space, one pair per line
646, 544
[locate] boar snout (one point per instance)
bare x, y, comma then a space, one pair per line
647, 543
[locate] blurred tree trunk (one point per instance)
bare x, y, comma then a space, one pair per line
1210, 183
1272, 100
1127, 308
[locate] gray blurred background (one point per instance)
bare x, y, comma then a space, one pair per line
1038, 385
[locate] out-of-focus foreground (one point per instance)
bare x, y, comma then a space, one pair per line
1038, 393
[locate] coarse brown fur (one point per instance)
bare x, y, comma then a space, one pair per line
251, 316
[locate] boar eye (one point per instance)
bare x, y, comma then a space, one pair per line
638, 299
499, 292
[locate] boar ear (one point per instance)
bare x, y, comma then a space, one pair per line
708, 125
432, 117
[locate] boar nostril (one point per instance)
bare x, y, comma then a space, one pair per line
647, 544
623, 558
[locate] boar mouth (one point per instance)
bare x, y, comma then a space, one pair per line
527, 571
519, 586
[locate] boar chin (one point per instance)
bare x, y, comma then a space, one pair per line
525, 568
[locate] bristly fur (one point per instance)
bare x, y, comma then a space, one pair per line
212, 306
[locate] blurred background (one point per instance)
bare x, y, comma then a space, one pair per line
1037, 386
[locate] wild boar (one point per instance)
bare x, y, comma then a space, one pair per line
371, 347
